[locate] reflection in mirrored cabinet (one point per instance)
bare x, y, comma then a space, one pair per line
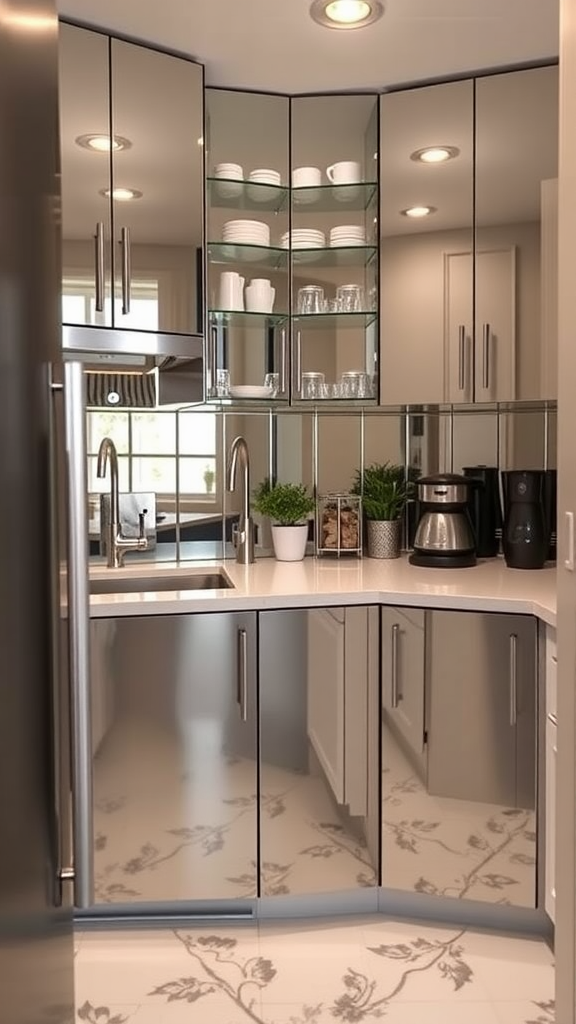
426, 190
248, 286
459, 755
318, 750
132, 185
334, 247
516, 230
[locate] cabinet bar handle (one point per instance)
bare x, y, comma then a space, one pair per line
242, 655
126, 270
99, 266
395, 632
283, 361
212, 356
79, 636
461, 355
299, 362
486, 356
513, 678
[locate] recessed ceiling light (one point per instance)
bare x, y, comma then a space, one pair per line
346, 14
418, 211
435, 154
101, 143
121, 194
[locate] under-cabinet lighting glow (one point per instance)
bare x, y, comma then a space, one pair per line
435, 154
418, 211
346, 14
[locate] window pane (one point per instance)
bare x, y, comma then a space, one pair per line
154, 474
103, 486
73, 309
197, 433
197, 476
154, 433
107, 424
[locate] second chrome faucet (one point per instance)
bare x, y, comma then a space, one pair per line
116, 544
245, 533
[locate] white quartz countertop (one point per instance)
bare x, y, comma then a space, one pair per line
489, 586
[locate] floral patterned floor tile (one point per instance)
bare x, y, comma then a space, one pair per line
524, 1012
511, 968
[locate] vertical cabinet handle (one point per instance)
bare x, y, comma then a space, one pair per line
569, 560
486, 356
99, 266
283, 361
212, 356
126, 270
242, 664
513, 666
461, 357
395, 697
79, 635
299, 362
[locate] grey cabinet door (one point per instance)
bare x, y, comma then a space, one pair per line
157, 104
86, 213
482, 670
175, 769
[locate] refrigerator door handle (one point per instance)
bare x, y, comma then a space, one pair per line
79, 635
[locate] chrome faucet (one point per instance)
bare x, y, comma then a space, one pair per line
116, 544
244, 537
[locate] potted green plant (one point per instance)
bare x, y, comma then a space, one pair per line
209, 477
385, 492
288, 506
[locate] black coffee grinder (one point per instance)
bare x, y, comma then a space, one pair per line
525, 536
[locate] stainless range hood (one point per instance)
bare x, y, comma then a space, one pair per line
137, 369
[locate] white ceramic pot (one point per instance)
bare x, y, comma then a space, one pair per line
290, 542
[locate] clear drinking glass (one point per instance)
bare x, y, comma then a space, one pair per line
272, 380
310, 299
222, 383
350, 298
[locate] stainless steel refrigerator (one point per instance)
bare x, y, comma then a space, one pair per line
36, 948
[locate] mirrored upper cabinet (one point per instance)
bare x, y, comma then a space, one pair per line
132, 137
468, 240
426, 188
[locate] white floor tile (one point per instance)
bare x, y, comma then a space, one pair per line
525, 1012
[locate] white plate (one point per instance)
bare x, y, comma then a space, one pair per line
250, 391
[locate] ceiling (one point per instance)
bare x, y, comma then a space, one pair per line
273, 44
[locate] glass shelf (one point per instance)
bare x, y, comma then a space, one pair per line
231, 194
335, 256
324, 321
334, 198
257, 403
260, 255
239, 318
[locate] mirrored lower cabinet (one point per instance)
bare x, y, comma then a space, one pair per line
459, 754
314, 751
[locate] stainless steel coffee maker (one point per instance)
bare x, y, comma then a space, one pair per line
444, 536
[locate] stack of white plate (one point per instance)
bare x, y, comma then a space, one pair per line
347, 234
261, 177
230, 183
246, 232
304, 238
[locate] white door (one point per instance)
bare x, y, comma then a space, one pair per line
326, 695
495, 349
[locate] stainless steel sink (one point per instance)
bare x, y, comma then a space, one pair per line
216, 580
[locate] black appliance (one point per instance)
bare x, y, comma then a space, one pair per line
444, 537
484, 508
551, 510
525, 536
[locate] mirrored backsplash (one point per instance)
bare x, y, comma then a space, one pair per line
180, 456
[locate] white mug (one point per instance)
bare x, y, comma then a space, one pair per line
306, 177
346, 172
231, 293
260, 296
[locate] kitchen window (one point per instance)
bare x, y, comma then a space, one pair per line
170, 453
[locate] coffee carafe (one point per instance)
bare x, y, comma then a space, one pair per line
484, 508
525, 535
